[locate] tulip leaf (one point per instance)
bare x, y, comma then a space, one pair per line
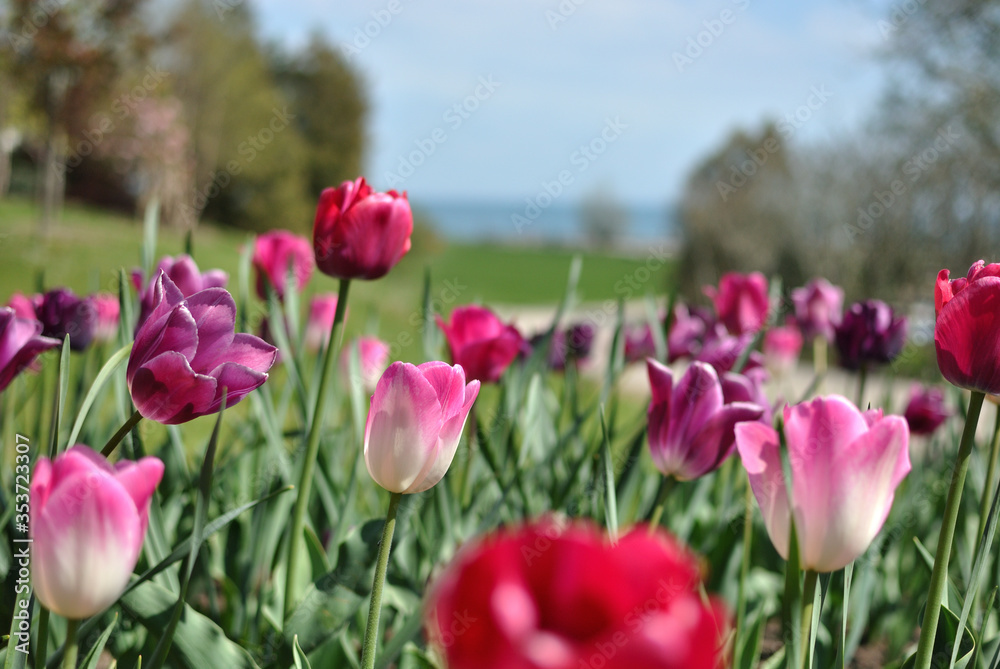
113, 363
94, 655
431, 338
656, 328
948, 630
301, 661
400, 638
198, 642
610, 500
150, 224
317, 556
62, 385
616, 361
752, 641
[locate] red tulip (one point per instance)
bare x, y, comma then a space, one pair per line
741, 301
541, 596
358, 233
273, 252
967, 333
480, 342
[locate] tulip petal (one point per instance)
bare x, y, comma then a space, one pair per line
214, 313
238, 380
167, 390
861, 490
696, 398
448, 383
177, 333
759, 449
967, 337
139, 479
715, 442
401, 435
451, 436
661, 381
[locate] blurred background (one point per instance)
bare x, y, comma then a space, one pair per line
854, 140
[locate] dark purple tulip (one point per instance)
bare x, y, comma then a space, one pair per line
817, 308
926, 410
579, 341
20, 343
185, 275
870, 332
63, 313
570, 345
186, 353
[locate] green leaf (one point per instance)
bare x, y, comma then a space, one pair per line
100, 381
301, 661
150, 224
94, 655
947, 631
610, 500
62, 385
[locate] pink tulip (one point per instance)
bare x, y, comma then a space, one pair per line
967, 333
24, 306
273, 253
88, 521
21, 341
360, 234
480, 342
691, 424
373, 354
322, 309
782, 346
818, 308
186, 353
845, 468
108, 314
741, 301
184, 273
414, 424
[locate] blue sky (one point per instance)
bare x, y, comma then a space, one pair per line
537, 82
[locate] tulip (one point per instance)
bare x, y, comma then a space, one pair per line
24, 306
967, 331
782, 346
691, 424
870, 333
21, 341
186, 356
360, 234
570, 345
926, 410
687, 332
273, 253
579, 341
88, 521
722, 350
373, 355
479, 342
818, 307
185, 275
64, 313
544, 596
639, 343
414, 424
107, 312
322, 310
741, 301
845, 468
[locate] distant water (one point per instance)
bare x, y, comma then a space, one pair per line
518, 223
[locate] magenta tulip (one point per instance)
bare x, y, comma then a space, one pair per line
107, 311
358, 233
741, 301
967, 333
639, 343
414, 424
322, 310
480, 342
691, 424
373, 356
185, 275
688, 331
818, 307
24, 306
273, 253
88, 521
21, 341
926, 410
845, 468
782, 346
186, 354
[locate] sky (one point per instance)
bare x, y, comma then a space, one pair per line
507, 100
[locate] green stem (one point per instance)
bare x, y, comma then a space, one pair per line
375, 608
464, 492
987, 500
312, 448
808, 596
741, 595
819, 360
667, 484
69, 655
939, 576
862, 379
112, 444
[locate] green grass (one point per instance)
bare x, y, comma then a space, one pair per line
85, 250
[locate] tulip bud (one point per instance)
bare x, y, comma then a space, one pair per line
818, 307
88, 521
273, 253
481, 343
741, 301
414, 424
